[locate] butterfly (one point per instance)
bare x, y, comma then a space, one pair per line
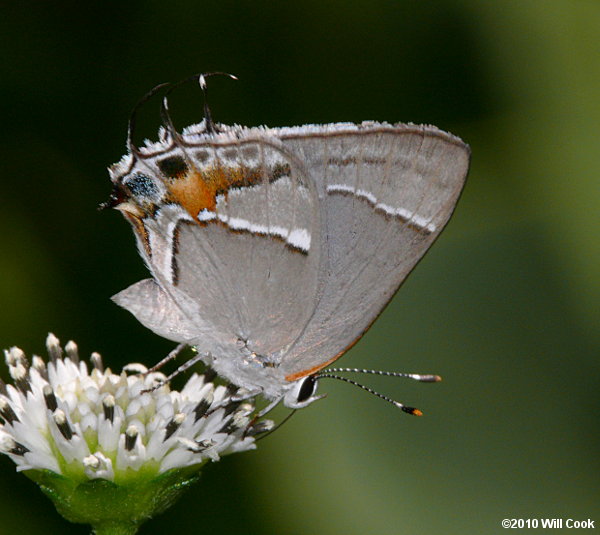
273, 250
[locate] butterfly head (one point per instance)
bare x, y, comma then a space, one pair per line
302, 393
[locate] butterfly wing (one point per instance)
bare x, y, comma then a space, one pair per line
275, 249
386, 193
232, 240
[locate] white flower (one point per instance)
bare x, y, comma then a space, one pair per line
60, 417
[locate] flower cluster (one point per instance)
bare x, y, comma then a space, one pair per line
60, 417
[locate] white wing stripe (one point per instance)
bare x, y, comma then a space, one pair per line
400, 212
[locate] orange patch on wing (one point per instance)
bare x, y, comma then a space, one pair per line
196, 191
299, 375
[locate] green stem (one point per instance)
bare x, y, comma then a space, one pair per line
115, 528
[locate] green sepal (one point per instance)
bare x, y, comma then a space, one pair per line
111, 508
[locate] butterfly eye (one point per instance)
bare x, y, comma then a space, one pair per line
307, 389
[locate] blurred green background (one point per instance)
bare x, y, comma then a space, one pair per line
504, 307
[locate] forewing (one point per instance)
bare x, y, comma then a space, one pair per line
386, 193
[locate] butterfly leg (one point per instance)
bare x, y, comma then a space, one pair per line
186, 365
171, 356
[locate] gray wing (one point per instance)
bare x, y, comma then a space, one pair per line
157, 311
285, 244
234, 245
386, 193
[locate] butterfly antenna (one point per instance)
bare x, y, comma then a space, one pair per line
410, 410
423, 378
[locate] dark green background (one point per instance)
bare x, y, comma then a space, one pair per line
505, 306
